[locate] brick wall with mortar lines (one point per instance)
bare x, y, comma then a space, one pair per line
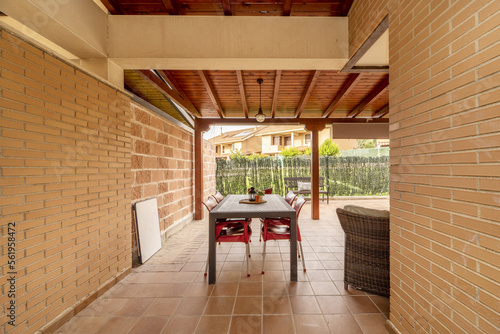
364, 17
162, 166
209, 169
445, 174
65, 176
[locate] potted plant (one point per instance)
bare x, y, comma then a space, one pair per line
259, 195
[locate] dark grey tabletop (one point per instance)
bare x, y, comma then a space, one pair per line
230, 207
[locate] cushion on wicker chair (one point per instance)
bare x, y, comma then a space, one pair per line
367, 212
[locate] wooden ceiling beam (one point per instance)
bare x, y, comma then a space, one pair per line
226, 6
186, 102
211, 93
346, 7
287, 7
367, 44
277, 80
160, 85
310, 85
382, 112
172, 7
244, 103
206, 122
375, 94
351, 82
113, 7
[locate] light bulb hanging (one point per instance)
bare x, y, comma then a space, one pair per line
260, 117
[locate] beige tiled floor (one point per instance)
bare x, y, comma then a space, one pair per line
169, 293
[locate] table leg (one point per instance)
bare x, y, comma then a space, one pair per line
211, 250
293, 248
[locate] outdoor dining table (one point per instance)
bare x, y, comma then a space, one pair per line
230, 207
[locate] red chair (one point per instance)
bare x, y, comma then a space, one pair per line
279, 228
268, 191
230, 230
289, 198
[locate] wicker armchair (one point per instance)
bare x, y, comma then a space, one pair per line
366, 259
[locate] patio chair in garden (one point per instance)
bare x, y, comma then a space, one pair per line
230, 230
366, 258
279, 229
268, 191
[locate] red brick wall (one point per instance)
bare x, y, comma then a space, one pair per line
162, 166
445, 174
364, 17
208, 169
65, 183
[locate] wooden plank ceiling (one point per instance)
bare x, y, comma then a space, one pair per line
235, 94
230, 7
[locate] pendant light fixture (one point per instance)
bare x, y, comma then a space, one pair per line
260, 117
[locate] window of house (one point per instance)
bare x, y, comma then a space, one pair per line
288, 141
216, 149
277, 140
307, 141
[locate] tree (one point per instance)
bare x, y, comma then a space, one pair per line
329, 148
237, 155
290, 152
307, 151
366, 143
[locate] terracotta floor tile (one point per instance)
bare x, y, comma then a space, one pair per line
213, 325
163, 307
332, 304
324, 288
82, 325
304, 305
342, 324
191, 306
277, 324
224, 289
360, 304
117, 325
318, 276
248, 305
103, 307
350, 291
273, 276
274, 289
247, 324
181, 324
382, 303
199, 290
250, 289
310, 324
134, 307
149, 325
219, 306
300, 289
372, 323
276, 305
229, 276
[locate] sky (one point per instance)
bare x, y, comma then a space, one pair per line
216, 130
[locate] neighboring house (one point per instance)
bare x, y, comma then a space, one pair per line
271, 140
244, 140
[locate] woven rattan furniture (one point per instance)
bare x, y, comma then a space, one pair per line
366, 259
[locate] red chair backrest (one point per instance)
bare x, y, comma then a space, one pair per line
268, 191
290, 197
218, 196
210, 203
299, 203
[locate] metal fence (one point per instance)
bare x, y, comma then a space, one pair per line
347, 176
